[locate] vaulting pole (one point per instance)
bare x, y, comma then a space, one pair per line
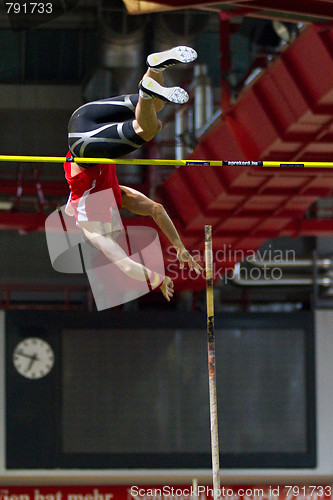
211, 362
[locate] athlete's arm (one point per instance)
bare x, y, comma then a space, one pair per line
140, 204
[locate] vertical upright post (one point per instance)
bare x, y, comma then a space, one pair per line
211, 362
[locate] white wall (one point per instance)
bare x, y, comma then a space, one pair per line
324, 384
2, 392
323, 474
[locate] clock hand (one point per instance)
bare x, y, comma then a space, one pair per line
33, 359
34, 356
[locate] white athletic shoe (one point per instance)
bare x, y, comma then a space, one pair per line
162, 60
176, 95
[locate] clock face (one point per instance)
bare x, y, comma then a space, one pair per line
33, 358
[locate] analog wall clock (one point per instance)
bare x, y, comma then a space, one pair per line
33, 358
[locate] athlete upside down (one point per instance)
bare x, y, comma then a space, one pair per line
111, 128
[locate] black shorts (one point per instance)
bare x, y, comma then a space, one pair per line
104, 129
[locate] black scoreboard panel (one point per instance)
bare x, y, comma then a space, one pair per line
125, 392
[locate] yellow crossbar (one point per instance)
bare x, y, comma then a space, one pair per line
150, 161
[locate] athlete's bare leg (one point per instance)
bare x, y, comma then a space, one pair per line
146, 123
95, 232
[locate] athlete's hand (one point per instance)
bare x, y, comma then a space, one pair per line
167, 288
184, 257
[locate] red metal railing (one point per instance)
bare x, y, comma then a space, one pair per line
45, 297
